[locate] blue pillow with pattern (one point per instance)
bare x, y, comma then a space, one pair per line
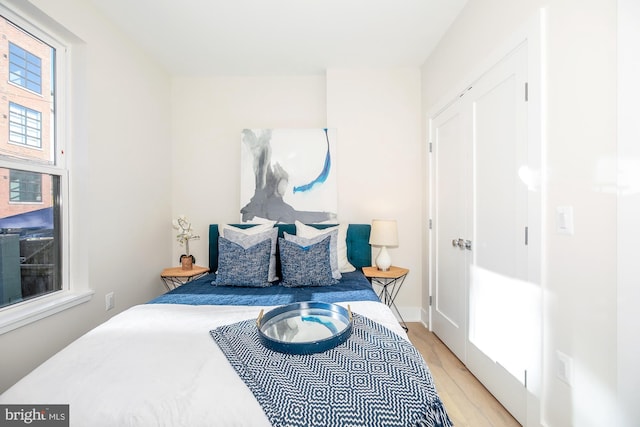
333, 248
238, 266
306, 265
246, 240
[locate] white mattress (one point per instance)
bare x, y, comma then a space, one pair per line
156, 365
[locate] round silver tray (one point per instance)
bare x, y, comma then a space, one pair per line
304, 327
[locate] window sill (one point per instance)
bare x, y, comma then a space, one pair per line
33, 310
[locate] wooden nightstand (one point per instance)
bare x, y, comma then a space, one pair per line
175, 276
390, 282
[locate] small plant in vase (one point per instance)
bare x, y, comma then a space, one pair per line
185, 234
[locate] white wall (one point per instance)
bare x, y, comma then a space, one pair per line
579, 277
376, 114
120, 182
208, 117
628, 211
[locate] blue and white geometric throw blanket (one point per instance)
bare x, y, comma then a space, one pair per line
375, 378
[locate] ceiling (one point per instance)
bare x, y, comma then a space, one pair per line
282, 37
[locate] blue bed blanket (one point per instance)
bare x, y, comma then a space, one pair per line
352, 287
375, 378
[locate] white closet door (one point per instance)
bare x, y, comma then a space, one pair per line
498, 288
482, 303
451, 180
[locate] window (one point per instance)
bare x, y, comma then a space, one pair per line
25, 187
34, 278
25, 126
25, 68
30, 244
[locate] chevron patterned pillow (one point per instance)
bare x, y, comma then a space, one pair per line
306, 265
238, 266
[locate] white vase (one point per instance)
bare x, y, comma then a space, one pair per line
383, 261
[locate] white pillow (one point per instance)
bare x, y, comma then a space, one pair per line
255, 229
308, 232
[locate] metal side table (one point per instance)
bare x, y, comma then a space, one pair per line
390, 282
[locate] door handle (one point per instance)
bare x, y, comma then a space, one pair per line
461, 243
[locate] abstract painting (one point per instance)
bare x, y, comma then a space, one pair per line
288, 175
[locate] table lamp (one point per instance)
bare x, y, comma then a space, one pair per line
384, 232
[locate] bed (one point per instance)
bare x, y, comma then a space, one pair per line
190, 357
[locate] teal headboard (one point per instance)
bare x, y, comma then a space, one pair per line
358, 248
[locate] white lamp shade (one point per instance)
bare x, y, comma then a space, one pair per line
384, 232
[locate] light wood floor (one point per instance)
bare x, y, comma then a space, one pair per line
466, 400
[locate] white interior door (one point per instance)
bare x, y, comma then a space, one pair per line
450, 203
481, 298
498, 289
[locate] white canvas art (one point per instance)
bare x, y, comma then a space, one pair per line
288, 175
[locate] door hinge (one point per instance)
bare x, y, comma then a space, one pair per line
430, 147
430, 300
526, 92
430, 224
526, 236
525, 378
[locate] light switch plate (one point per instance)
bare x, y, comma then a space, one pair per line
109, 301
565, 368
564, 220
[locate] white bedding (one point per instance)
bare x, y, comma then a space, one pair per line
156, 365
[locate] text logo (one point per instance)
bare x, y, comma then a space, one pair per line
34, 415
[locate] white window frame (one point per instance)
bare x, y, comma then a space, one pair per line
34, 309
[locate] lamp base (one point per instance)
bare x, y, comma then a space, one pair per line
383, 261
